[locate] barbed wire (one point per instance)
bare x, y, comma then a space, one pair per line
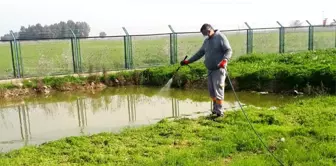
56, 33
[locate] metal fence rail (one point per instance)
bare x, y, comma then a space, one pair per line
22, 58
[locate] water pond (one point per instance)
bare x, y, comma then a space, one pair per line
45, 118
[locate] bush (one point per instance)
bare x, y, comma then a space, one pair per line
274, 72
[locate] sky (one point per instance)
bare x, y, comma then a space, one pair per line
154, 16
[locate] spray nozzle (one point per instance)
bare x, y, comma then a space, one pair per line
185, 57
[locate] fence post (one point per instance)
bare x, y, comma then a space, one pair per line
249, 47
13, 59
131, 51
76, 51
125, 52
17, 57
79, 55
281, 38
310, 36
128, 50
73, 55
173, 46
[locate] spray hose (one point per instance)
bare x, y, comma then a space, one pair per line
259, 137
248, 120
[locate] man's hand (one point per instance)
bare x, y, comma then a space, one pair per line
223, 63
184, 62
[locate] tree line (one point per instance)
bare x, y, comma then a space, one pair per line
57, 30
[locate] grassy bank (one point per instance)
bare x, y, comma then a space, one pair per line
52, 57
306, 71
311, 72
307, 127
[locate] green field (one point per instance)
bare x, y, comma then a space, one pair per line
42, 58
307, 126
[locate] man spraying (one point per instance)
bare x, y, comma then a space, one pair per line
217, 51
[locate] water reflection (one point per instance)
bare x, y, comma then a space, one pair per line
175, 108
24, 123
81, 113
131, 108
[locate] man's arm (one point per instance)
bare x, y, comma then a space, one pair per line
226, 47
198, 55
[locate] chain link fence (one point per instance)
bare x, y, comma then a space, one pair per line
296, 39
148, 51
71, 54
237, 41
46, 58
266, 40
102, 54
188, 44
6, 66
324, 37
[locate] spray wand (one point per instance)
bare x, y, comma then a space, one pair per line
170, 81
179, 67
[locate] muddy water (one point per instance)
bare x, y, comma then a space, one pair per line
45, 118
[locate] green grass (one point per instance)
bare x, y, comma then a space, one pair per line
312, 72
307, 125
42, 58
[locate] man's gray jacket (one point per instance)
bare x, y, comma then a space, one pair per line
215, 49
